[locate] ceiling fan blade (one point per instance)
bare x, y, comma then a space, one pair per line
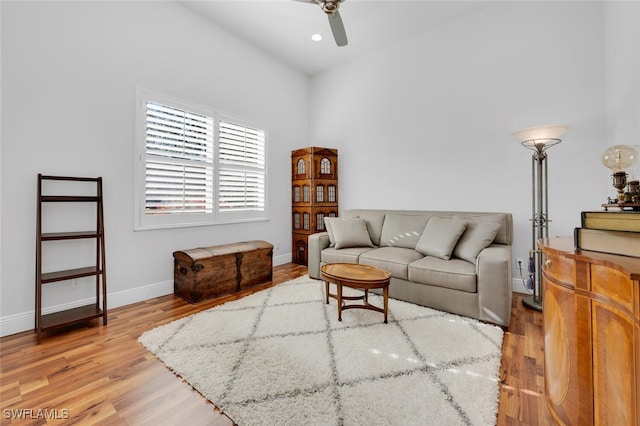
337, 28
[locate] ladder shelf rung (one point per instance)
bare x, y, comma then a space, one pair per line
69, 274
70, 178
70, 316
69, 198
53, 236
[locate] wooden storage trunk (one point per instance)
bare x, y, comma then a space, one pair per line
209, 272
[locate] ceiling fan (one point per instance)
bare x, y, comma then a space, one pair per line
330, 7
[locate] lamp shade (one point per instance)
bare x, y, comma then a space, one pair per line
634, 169
619, 157
541, 134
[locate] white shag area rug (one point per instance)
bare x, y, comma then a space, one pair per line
281, 357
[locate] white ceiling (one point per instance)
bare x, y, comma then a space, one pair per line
283, 28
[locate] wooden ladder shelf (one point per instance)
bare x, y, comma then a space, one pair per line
98, 308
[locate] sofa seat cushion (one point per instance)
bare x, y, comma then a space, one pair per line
456, 274
393, 259
347, 255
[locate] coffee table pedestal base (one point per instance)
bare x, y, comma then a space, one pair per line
358, 277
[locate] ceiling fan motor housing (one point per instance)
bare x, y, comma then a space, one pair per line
330, 6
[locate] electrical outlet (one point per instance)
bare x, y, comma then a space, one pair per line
277, 245
75, 283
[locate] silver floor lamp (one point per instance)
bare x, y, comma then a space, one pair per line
538, 139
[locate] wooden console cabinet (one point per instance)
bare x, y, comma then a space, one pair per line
591, 313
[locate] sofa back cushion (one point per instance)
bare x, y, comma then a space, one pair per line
402, 230
504, 235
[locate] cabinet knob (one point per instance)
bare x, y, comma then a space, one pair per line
547, 263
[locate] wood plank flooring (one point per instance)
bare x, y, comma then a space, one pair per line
100, 375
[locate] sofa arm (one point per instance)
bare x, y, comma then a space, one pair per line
495, 287
317, 243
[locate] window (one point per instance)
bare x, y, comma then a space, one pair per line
179, 161
332, 193
301, 168
320, 222
319, 193
296, 194
241, 165
306, 218
325, 166
305, 193
195, 166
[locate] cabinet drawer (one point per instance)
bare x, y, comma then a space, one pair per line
559, 268
612, 284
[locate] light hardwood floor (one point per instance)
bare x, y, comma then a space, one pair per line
101, 375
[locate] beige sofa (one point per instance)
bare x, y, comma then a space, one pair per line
458, 262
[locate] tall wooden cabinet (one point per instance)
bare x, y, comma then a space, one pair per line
314, 195
591, 335
91, 194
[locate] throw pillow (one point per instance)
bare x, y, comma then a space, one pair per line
440, 237
351, 233
477, 236
328, 221
504, 235
374, 220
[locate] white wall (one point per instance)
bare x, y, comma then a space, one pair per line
427, 124
622, 59
69, 76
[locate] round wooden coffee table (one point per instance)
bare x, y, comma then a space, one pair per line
362, 277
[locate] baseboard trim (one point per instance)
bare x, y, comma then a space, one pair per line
25, 321
519, 286
17, 323
282, 259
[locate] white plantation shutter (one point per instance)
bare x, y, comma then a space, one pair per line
241, 178
196, 167
179, 161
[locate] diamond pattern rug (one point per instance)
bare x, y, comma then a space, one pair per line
281, 357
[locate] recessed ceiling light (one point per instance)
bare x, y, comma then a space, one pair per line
316, 37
